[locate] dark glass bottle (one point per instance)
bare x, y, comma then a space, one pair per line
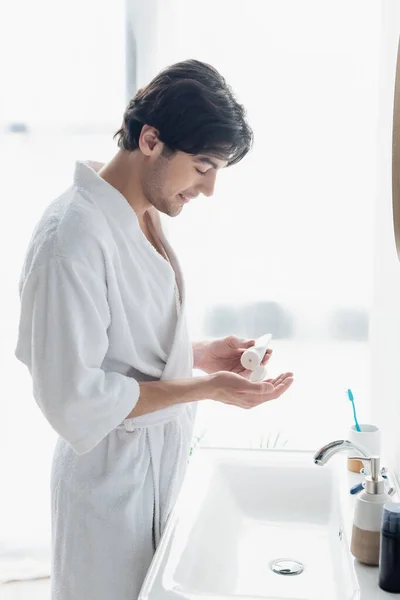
389, 560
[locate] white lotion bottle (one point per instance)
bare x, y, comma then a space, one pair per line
252, 357
258, 374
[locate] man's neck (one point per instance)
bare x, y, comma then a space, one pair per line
122, 172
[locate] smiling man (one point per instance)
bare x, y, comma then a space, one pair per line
103, 332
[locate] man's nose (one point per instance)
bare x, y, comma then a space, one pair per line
208, 183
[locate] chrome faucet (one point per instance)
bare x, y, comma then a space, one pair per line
322, 456
375, 482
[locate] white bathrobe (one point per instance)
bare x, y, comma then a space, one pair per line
101, 311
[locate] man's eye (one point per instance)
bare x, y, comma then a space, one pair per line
201, 172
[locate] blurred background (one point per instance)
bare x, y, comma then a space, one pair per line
285, 246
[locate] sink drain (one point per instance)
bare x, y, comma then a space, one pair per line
286, 566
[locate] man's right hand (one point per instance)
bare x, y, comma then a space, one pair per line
222, 386
231, 388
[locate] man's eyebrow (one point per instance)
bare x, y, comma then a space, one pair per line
208, 161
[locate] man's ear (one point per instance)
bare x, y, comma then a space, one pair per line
149, 142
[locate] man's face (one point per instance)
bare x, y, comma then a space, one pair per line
170, 181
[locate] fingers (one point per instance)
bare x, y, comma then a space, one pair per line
281, 388
240, 343
280, 378
262, 388
249, 389
267, 356
276, 387
235, 389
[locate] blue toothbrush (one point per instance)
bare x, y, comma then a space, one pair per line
351, 398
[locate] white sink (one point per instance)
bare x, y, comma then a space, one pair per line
241, 510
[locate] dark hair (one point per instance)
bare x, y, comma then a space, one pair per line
193, 110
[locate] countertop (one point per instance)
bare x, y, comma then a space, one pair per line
367, 576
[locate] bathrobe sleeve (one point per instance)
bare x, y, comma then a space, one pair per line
63, 341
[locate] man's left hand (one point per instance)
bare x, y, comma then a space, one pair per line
224, 355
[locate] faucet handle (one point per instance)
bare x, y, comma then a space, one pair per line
390, 489
383, 472
374, 483
375, 463
358, 487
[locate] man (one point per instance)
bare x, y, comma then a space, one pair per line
103, 333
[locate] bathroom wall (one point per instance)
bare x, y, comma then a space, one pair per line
65, 75
385, 326
142, 47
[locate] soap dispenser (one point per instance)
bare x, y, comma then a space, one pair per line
365, 540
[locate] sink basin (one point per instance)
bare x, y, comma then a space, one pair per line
241, 511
